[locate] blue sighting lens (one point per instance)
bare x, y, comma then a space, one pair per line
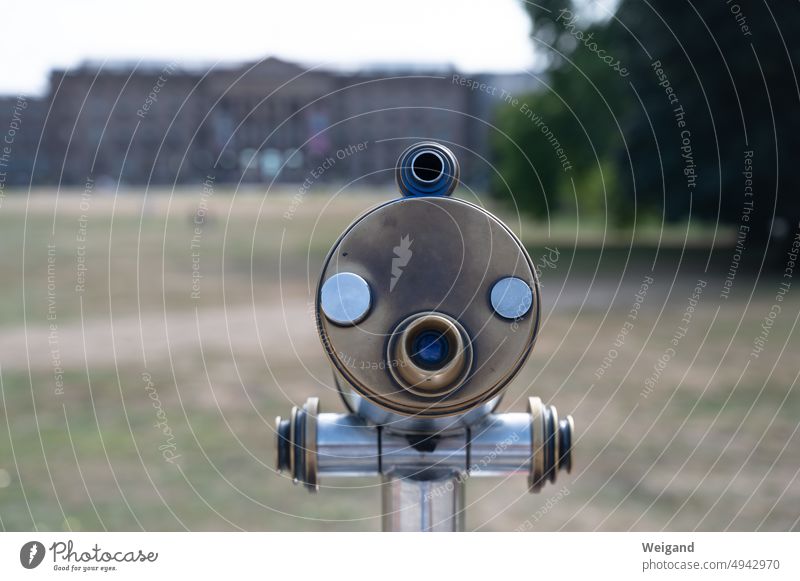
430, 349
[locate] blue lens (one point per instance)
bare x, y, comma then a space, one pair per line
430, 349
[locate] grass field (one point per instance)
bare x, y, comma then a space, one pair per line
144, 358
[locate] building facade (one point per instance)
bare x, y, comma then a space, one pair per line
265, 122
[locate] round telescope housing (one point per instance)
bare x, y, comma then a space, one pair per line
428, 305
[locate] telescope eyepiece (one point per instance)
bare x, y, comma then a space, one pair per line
427, 166
427, 169
431, 354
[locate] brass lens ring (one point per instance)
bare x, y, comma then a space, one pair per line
430, 354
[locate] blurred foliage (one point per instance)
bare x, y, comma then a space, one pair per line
581, 105
732, 69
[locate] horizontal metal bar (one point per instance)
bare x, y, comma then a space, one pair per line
501, 445
348, 446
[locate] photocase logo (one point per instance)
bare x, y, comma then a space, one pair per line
402, 255
31, 554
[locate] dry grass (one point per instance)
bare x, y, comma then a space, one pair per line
713, 447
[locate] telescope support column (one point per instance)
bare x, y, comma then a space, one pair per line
431, 505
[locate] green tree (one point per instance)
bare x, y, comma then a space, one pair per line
710, 89
580, 111
732, 68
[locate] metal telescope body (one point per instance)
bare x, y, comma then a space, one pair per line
427, 307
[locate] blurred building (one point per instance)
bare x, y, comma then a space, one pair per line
21, 123
252, 123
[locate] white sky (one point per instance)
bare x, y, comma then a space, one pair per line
473, 35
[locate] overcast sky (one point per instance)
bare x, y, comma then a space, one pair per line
473, 35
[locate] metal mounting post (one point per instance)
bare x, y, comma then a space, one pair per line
428, 505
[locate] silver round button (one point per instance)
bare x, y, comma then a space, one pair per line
511, 297
345, 298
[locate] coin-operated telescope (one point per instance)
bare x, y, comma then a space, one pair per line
427, 307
